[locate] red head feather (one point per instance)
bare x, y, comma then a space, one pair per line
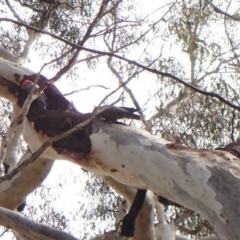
26, 84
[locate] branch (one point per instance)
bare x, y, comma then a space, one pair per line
32, 36
144, 225
19, 118
7, 55
120, 80
229, 39
192, 87
187, 213
11, 159
14, 192
14, 12
84, 89
172, 103
26, 227
167, 230
218, 10
191, 177
49, 142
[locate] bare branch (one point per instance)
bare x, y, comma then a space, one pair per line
187, 213
229, 39
19, 118
84, 89
7, 55
32, 36
14, 192
11, 159
218, 10
144, 225
73, 60
14, 12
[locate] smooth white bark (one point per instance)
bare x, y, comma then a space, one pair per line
144, 225
14, 191
167, 230
12, 155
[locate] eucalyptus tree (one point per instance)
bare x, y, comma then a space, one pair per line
176, 63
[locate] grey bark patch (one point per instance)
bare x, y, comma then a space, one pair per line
182, 163
188, 200
125, 136
227, 187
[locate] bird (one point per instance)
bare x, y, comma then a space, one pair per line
47, 120
27, 85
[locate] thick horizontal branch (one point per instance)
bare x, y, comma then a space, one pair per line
200, 180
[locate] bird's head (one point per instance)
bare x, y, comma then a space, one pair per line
26, 84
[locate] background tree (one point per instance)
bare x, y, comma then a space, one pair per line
195, 41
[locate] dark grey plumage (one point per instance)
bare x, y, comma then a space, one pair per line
114, 113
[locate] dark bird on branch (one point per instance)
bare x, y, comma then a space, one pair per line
50, 116
53, 119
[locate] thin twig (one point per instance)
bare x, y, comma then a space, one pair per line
73, 60
218, 10
84, 89
20, 117
183, 216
